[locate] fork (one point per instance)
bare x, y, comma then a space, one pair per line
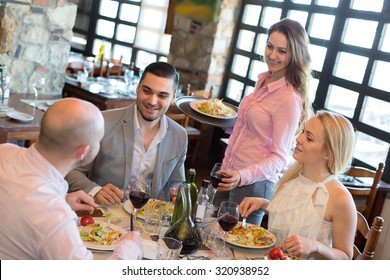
244, 222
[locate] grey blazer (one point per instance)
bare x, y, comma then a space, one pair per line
113, 162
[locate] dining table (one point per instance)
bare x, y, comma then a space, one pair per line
121, 217
20, 120
105, 93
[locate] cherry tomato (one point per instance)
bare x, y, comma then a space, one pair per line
86, 220
275, 254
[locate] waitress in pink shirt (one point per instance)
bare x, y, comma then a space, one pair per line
269, 118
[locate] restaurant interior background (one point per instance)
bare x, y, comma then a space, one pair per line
219, 44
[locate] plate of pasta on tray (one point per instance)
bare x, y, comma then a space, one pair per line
253, 236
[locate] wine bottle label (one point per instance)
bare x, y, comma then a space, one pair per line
200, 211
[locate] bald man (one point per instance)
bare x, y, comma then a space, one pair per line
38, 223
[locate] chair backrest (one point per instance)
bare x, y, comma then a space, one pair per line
178, 116
203, 93
371, 237
367, 192
200, 93
114, 67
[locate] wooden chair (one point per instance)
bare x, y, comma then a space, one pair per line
175, 114
110, 67
365, 193
203, 93
200, 93
194, 128
193, 133
370, 237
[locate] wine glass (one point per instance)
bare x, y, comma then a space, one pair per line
4, 85
128, 76
37, 85
139, 194
215, 179
229, 215
88, 67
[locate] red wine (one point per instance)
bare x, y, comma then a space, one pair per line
228, 222
191, 245
191, 240
216, 179
138, 198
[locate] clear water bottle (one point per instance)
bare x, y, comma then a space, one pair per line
201, 202
165, 224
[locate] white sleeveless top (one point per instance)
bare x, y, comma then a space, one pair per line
292, 212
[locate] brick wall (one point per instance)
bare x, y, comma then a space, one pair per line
35, 42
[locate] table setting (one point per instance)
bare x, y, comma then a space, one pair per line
112, 86
117, 218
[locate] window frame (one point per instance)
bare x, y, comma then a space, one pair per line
91, 35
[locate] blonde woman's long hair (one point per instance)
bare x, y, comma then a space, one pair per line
339, 144
298, 71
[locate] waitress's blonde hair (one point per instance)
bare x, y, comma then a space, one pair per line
339, 145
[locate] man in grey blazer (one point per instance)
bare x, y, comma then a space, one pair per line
139, 142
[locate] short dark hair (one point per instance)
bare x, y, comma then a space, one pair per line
163, 70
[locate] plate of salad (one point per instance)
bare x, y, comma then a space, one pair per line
101, 235
214, 107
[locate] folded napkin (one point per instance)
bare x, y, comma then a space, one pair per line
39, 104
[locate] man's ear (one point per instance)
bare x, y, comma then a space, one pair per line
81, 152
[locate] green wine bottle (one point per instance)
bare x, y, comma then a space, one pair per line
184, 229
178, 210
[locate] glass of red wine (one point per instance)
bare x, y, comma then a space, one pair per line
215, 179
228, 211
139, 194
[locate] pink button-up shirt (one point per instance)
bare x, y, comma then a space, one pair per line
263, 134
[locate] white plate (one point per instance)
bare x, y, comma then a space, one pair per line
128, 206
100, 247
20, 116
194, 107
49, 103
149, 249
249, 227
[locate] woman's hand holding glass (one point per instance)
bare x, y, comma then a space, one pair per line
230, 179
215, 179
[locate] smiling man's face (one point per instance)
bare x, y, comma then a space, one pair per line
154, 96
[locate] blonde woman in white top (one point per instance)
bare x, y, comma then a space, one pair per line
312, 214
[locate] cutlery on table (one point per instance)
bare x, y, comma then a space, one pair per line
211, 222
244, 222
